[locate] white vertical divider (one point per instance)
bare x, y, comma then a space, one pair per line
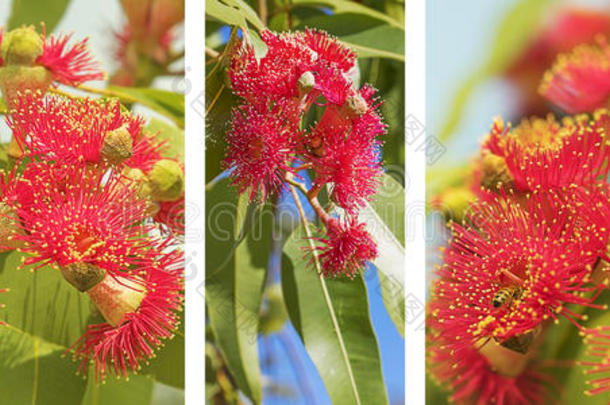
195, 208
415, 61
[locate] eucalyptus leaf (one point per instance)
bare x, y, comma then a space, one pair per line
239, 237
33, 12
137, 391
167, 103
332, 318
233, 12
384, 218
343, 6
32, 370
369, 37
172, 134
42, 303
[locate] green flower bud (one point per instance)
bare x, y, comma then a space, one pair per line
166, 180
143, 189
21, 46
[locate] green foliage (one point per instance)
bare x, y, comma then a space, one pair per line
232, 12
167, 103
34, 12
239, 237
385, 217
332, 318
137, 391
369, 37
170, 133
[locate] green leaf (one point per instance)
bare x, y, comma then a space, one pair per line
384, 218
137, 391
219, 101
233, 12
34, 12
42, 303
237, 242
167, 366
369, 37
33, 371
516, 30
171, 133
167, 103
332, 318
350, 7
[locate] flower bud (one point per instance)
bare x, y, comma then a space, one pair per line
116, 299
306, 83
83, 276
166, 180
118, 146
16, 80
143, 189
21, 46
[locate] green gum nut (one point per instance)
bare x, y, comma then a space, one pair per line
166, 180
21, 46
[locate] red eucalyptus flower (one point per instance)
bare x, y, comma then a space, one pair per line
69, 64
72, 216
289, 56
516, 266
546, 153
261, 147
346, 248
73, 130
598, 341
146, 152
580, 80
139, 319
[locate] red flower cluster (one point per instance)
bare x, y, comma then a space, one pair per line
529, 249
268, 145
82, 199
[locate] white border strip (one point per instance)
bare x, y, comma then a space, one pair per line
195, 224
415, 280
